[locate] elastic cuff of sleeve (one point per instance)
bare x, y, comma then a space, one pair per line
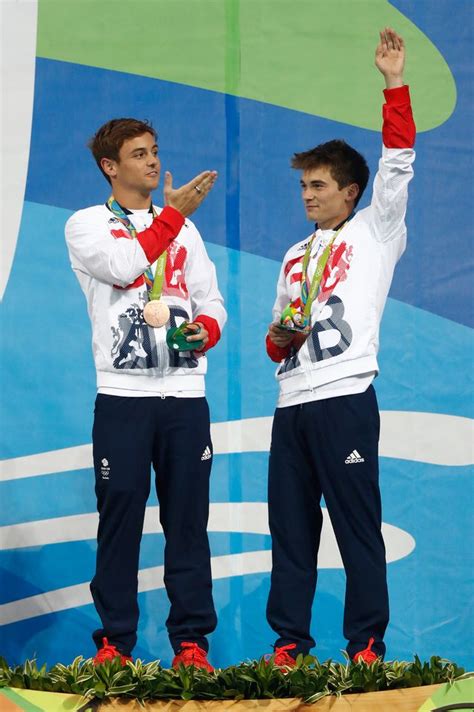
162, 231
212, 328
172, 217
397, 95
276, 353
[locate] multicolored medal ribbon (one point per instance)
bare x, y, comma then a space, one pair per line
295, 319
156, 313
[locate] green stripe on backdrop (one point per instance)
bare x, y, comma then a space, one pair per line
36, 701
314, 56
19, 702
460, 691
232, 47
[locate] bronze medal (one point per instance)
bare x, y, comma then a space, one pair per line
156, 313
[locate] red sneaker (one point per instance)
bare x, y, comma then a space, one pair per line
109, 652
281, 657
367, 655
192, 654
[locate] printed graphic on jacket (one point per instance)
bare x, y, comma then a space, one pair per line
335, 271
320, 347
319, 340
134, 343
121, 232
174, 282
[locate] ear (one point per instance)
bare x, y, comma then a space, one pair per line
109, 167
352, 191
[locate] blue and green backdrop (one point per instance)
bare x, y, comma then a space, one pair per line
235, 85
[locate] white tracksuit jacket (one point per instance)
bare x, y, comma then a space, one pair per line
132, 358
340, 354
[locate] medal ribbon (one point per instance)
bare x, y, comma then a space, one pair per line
154, 285
308, 296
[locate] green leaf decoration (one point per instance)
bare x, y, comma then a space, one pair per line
310, 680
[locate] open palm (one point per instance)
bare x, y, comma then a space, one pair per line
390, 53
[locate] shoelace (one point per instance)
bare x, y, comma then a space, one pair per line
108, 652
367, 654
191, 652
282, 657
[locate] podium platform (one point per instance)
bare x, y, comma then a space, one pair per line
406, 700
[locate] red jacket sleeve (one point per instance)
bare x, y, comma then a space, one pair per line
277, 353
398, 126
212, 329
164, 228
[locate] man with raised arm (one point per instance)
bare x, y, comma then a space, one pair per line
325, 335
155, 310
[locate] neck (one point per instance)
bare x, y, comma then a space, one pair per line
132, 200
335, 222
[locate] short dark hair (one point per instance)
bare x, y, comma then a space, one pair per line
109, 139
345, 163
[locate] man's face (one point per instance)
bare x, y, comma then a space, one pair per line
138, 167
324, 202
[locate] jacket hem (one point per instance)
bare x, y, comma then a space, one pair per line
308, 380
151, 383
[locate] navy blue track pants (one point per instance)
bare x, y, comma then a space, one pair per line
173, 435
330, 448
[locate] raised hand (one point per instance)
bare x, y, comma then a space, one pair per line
190, 196
390, 57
